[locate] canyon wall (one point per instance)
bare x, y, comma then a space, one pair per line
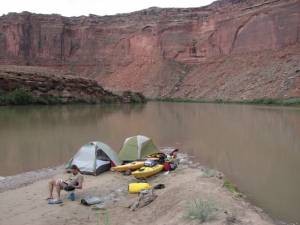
231, 49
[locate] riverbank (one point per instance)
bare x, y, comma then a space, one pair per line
262, 101
190, 182
27, 178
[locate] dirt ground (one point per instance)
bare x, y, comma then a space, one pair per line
27, 205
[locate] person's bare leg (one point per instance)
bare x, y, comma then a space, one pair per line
51, 186
58, 189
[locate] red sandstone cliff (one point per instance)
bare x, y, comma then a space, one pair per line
231, 49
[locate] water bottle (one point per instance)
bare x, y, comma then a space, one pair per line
71, 196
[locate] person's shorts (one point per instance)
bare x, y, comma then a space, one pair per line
65, 186
69, 188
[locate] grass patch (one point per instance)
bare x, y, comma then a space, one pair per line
201, 210
261, 101
106, 219
270, 101
208, 172
231, 187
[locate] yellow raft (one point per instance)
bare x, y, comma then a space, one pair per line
129, 166
145, 172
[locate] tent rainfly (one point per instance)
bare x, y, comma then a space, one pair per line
94, 158
137, 147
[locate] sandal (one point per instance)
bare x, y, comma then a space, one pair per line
55, 201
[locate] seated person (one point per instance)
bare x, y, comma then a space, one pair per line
75, 181
172, 160
173, 154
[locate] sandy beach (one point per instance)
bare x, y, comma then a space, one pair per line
24, 204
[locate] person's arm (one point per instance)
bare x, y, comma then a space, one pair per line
67, 181
80, 182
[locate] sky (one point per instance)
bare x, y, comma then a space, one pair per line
86, 7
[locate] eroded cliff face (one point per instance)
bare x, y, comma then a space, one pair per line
232, 49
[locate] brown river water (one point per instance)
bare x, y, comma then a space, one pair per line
257, 147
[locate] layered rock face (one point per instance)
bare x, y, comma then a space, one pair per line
231, 49
42, 83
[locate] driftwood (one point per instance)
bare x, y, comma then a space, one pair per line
145, 198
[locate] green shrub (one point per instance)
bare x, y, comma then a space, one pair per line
3, 100
133, 97
23, 97
136, 98
48, 100
168, 99
109, 99
201, 210
17, 97
291, 101
1, 92
271, 101
230, 186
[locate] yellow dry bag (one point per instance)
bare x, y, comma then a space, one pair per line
138, 187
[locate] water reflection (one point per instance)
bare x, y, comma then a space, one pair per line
41, 136
257, 147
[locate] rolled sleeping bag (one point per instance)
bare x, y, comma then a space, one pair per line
91, 200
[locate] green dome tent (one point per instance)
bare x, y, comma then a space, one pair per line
137, 147
94, 158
